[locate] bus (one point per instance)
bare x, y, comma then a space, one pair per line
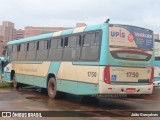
156, 82
91, 60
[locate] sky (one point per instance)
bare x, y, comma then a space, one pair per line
66, 13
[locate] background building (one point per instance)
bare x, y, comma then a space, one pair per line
156, 36
32, 31
8, 32
19, 34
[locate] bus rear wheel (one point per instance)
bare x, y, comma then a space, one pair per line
52, 89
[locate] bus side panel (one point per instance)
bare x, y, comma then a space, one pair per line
31, 80
7, 71
32, 73
83, 73
7, 76
77, 88
32, 69
77, 79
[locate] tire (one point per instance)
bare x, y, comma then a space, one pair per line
15, 84
51, 88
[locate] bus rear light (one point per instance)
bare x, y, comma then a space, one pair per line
107, 74
152, 76
109, 88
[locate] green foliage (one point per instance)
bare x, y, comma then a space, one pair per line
5, 84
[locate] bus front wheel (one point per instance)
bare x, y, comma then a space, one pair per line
15, 84
52, 91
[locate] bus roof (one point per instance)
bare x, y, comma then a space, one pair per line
30, 38
49, 35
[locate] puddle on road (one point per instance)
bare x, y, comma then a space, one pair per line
32, 99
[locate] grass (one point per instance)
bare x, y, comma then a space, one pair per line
5, 84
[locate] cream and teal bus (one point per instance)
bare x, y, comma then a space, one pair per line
92, 60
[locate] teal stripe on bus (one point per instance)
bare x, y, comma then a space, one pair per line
54, 67
93, 27
104, 47
34, 38
157, 79
66, 32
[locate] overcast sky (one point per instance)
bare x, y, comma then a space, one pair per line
51, 13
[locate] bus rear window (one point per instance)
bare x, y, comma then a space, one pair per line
130, 43
132, 55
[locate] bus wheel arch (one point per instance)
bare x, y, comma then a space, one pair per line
12, 74
50, 75
51, 85
52, 88
13, 78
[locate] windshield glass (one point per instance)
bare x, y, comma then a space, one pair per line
130, 43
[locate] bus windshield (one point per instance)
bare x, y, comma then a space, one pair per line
130, 43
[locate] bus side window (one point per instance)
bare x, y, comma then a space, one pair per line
56, 49
71, 50
22, 48
90, 48
14, 53
97, 39
79, 40
60, 43
31, 52
31, 46
27, 46
42, 51
41, 45
53, 44
88, 39
9, 52
72, 41
65, 41
38, 45
12, 48
47, 44
21, 52
18, 47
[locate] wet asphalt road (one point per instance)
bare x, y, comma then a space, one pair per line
32, 99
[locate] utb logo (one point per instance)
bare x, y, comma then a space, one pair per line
130, 38
118, 34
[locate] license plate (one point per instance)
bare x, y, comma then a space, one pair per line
130, 90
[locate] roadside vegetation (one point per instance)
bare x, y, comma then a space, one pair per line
5, 84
